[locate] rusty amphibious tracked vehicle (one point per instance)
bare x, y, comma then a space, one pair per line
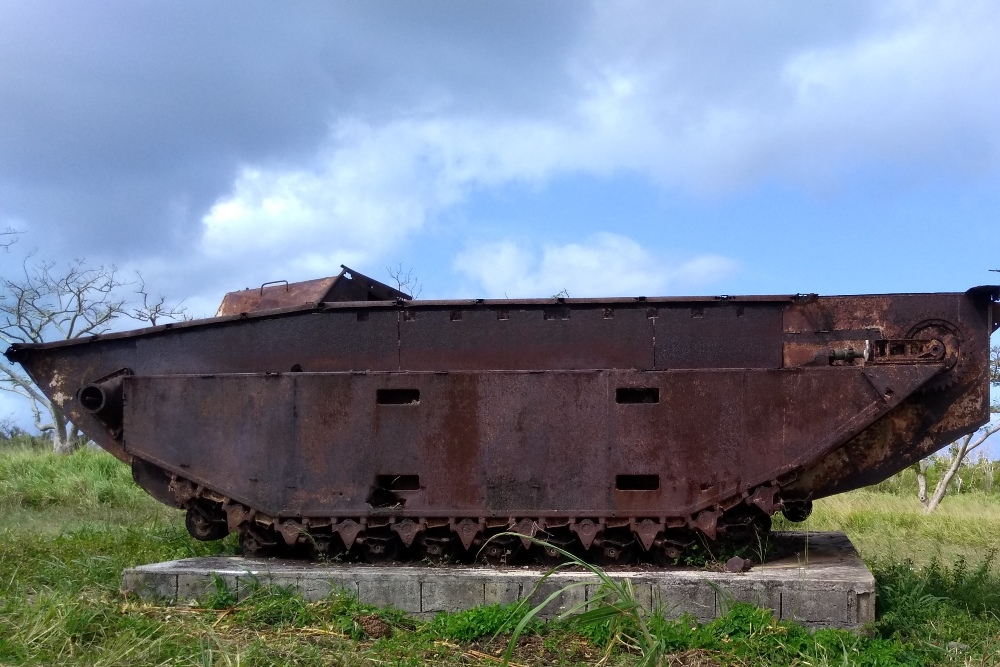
339, 416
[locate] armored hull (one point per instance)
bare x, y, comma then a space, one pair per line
339, 415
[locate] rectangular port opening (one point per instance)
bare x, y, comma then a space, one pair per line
637, 395
557, 313
398, 482
637, 482
397, 396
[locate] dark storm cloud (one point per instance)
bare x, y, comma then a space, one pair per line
121, 122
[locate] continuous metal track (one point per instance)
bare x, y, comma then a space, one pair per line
605, 540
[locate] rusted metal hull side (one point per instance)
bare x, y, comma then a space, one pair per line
952, 404
372, 422
515, 442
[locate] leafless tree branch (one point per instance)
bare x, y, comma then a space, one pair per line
405, 280
43, 304
8, 237
155, 308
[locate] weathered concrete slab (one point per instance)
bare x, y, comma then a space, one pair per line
822, 582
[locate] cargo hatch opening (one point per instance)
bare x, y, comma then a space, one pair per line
637, 482
383, 494
637, 395
397, 396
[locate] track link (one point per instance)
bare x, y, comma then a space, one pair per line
493, 540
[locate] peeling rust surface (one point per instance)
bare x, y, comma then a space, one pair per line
337, 415
348, 285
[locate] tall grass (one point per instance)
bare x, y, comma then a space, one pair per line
60, 601
85, 480
883, 525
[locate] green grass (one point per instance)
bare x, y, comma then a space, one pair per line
70, 525
895, 527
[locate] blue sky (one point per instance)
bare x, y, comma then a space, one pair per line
507, 147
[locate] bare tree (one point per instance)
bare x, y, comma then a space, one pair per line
45, 304
405, 280
959, 450
155, 308
9, 429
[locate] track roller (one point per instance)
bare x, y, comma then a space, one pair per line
324, 545
258, 541
563, 539
382, 548
667, 550
617, 546
438, 546
500, 550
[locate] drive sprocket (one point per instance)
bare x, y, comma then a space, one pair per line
949, 335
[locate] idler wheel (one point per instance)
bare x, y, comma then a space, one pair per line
949, 336
258, 541
206, 522
796, 511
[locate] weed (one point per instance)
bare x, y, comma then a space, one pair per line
222, 597
705, 553
482, 622
614, 619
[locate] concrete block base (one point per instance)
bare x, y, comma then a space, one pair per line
821, 582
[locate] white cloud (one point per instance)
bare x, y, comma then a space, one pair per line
914, 83
372, 187
911, 84
604, 264
907, 84
923, 89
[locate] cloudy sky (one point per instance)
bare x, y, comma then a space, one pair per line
507, 148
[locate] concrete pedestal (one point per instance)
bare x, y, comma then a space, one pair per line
821, 583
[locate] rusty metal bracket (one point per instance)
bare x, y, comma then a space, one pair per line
586, 530
467, 529
526, 527
907, 350
647, 530
407, 530
348, 530
290, 530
